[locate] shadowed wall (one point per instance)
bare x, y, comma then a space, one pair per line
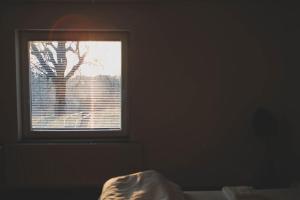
197, 72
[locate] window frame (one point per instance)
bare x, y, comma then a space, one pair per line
23, 82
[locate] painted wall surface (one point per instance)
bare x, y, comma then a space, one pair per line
292, 98
196, 74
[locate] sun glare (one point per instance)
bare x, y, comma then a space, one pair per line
102, 58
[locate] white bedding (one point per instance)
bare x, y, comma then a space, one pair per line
269, 194
150, 185
204, 195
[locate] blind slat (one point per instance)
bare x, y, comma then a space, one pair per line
88, 99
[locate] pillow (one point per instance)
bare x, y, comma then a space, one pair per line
146, 185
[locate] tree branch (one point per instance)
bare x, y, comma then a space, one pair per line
35, 51
52, 45
75, 67
39, 69
71, 49
49, 53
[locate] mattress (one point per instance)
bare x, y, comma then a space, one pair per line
266, 194
204, 195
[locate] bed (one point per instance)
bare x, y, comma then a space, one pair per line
150, 185
265, 194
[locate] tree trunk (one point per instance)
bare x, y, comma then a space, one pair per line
60, 94
60, 81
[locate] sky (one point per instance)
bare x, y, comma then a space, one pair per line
102, 58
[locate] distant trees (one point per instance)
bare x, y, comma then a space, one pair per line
51, 60
87, 99
67, 90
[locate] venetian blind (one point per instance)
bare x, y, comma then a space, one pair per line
75, 85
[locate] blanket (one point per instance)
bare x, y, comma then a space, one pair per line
146, 185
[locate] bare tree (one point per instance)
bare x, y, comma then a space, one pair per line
52, 59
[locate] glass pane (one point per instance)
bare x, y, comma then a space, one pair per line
75, 85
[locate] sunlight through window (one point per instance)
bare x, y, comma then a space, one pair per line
75, 85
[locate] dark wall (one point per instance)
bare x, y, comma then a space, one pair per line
292, 96
197, 73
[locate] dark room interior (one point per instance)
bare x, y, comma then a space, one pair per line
210, 97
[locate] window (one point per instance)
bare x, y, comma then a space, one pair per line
73, 83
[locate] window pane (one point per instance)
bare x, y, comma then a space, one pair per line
75, 85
